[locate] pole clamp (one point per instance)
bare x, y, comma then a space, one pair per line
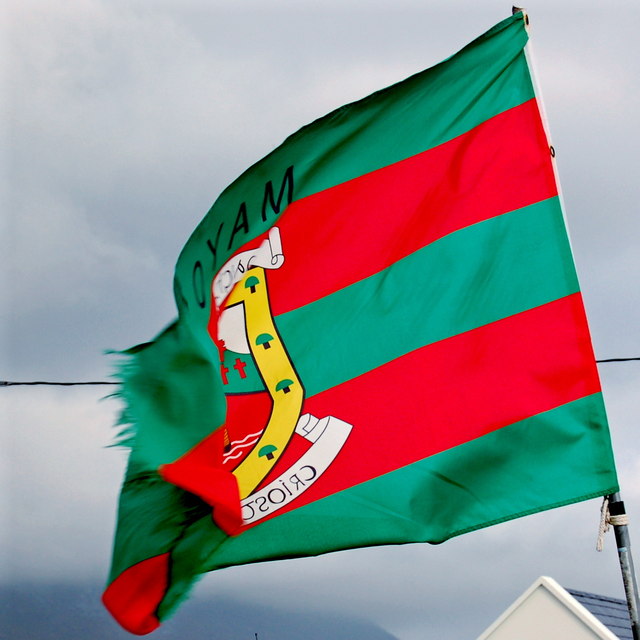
611, 514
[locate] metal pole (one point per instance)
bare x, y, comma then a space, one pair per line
617, 512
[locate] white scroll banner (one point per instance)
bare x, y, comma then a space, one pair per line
268, 256
328, 436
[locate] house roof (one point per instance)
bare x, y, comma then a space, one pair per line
612, 612
546, 609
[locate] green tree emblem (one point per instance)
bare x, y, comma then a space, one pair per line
264, 339
284, 385
268, 450
251, 283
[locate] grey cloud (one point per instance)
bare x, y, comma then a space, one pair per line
126, 121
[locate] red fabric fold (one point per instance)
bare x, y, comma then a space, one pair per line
134, 596
217, 487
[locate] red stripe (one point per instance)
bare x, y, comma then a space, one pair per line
134, 596
457, 390
246, 413
202, 469
341, 235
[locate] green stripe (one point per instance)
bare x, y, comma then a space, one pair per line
152, 517
419, 113
174, 397
487, 77
556, 458
480, 274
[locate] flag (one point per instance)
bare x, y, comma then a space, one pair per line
380, 340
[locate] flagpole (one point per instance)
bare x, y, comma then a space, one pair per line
619, 520
617, 515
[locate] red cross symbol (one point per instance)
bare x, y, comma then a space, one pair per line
239, 367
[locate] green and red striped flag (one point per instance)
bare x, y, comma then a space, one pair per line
380, 340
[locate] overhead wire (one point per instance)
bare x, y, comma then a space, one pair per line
15, 383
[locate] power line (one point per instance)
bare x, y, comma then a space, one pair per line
13, 383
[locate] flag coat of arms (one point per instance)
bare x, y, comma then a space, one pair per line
380, 340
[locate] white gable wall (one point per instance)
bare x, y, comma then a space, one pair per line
547, 611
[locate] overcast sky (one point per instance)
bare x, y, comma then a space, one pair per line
122, 122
